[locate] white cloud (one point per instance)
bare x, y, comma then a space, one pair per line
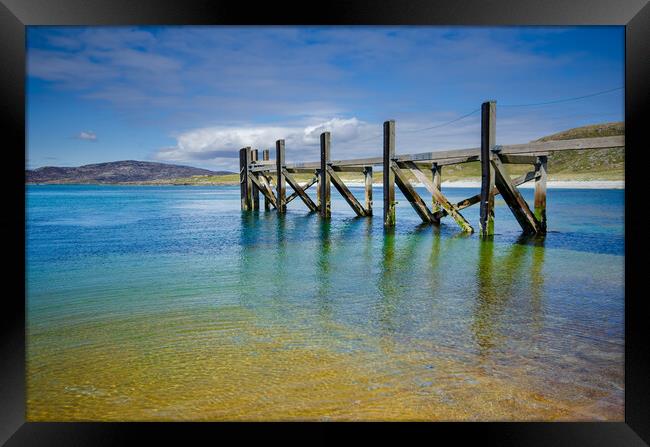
351, 138
345, 129
87, 135
224, 141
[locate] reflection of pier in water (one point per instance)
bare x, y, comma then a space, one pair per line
502, 273
497, 283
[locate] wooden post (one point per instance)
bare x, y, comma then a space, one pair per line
255, 190
281, 187
318, 188
488, 141
436, 173
266, 155
540, 191
324, 184
244, 178
389, 176
367, 172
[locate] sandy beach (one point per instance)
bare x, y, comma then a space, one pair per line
551, 184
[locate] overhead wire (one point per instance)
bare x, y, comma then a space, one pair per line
556, 101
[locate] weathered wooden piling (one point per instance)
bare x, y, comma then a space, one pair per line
318, 202
540, 191
488, 141
245, 184
324, 182
280, 183
255, 190
436, 176
389, 176
367, 176
266, 155
242, 179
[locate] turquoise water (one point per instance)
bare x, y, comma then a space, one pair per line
160, 303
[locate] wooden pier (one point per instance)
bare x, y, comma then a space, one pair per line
270, 178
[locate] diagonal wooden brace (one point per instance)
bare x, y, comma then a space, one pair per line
531, 175
267, 181
305, 187
301, 192
414, 199
262, 184
346, 193
514, 199
440, 198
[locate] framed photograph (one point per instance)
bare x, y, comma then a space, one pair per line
410, 212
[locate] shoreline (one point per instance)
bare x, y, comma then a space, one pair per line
550, 184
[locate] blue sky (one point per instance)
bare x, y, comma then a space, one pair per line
195, 95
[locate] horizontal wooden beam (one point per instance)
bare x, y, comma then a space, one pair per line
358, 169
456, 161
439, 156
472, 154
351, 162
518, 159
541, 148
263, 168
301, 170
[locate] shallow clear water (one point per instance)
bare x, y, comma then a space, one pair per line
164, 303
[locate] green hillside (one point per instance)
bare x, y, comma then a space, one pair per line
601, 164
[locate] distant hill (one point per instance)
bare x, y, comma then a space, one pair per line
128, 171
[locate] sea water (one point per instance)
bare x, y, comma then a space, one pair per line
169, 303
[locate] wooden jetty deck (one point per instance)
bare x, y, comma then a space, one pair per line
270, 178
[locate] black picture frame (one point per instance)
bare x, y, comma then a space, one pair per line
15, 15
